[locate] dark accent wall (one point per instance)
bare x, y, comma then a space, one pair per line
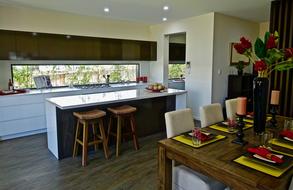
282, 21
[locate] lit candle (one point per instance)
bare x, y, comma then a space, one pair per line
275, 97
241, 105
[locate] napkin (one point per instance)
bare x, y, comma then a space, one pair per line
201, 135
287, 133
264, 152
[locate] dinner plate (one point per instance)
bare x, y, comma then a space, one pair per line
222, 124
288, 139
285, 140
287, 160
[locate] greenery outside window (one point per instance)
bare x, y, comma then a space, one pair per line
176, 70
65, 75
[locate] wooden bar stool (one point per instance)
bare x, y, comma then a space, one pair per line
93, 118
123, 113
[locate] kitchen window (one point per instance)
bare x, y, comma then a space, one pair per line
66, 75
176, 70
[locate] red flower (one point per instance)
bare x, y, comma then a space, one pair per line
288, 53
243, 46
245, 43
271, 43
239, 48
260, 65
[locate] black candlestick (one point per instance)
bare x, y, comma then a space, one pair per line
273, 122
240, 134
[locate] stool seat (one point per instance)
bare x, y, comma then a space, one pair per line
88, 115
125, 109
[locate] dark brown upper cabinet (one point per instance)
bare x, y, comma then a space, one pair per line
26, 45
177, 52
148, 51
111, 49
41, 46
7, 45
130, 50
65, 47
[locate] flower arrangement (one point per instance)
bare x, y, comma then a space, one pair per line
265, 56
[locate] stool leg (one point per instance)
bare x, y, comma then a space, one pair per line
133, 131
104, 139
75, 147
94, 135
85, 144
118, 135
109, 129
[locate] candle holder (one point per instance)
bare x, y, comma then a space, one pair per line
273, 121
240, 134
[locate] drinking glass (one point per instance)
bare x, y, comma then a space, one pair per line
231, 125
196, 141
265, 138
288, 124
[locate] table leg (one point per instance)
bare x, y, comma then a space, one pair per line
164, 170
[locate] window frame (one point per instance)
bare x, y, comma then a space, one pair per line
89, 64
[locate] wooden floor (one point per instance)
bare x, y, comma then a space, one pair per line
26, 163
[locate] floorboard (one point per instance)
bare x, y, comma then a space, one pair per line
26, 163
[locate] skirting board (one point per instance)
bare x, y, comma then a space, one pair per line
7, 137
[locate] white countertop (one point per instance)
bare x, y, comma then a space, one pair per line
76, 101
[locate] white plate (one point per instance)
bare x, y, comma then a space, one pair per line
267, 160
286, 138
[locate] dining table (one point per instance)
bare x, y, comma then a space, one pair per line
215, 160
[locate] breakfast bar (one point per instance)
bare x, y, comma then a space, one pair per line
151, 107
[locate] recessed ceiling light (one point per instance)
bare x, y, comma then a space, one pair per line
166, 8
164, 19
106, 10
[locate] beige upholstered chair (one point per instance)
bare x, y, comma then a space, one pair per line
231, 106
184, 178
211, 114
178, 122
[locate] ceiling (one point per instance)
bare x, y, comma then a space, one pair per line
151, 11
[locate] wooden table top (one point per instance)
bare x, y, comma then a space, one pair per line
216, 160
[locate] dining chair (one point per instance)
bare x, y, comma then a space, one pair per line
211, 114
231, 106
185, 178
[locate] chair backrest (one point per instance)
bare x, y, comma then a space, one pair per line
231, 108
178, 122
211, 114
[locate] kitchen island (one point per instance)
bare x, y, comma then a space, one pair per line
149, 117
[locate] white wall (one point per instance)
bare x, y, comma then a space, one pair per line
263, 28
227, 29
38, 20
199, 51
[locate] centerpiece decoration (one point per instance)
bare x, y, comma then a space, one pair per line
266, 58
